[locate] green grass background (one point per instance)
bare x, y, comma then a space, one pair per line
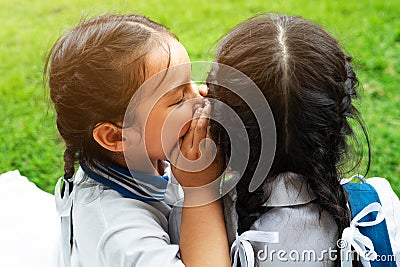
29, 142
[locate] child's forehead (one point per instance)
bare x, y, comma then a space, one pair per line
164, 55
167, 67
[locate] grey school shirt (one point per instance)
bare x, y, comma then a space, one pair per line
307, 237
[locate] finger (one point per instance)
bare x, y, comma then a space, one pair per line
201, 128
180, 142
187, 141
205, 146
208, 146
208, 151
209, 131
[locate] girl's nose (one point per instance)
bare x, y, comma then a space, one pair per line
198, 90
203, 89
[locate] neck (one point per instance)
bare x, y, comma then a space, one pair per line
152, 166
140, 164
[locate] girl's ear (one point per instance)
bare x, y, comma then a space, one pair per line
109, 136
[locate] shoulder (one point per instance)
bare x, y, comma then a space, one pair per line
108, 208
138, 237
121, 230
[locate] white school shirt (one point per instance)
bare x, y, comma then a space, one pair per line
110, 230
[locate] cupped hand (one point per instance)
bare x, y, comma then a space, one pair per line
194, 161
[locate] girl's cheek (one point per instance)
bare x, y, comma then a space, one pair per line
180, 120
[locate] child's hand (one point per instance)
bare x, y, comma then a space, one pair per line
193, 161
195, 165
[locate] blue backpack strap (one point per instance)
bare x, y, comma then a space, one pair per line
360, 196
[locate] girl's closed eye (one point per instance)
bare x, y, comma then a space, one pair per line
181, 100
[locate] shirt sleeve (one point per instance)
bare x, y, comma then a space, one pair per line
123, 232
130, 246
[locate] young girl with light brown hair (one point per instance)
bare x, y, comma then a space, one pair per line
115, 208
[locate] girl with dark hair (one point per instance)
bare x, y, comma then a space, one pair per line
310, 85
115, 208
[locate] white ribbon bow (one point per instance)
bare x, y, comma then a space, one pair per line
63, 206
242, 247
351, 236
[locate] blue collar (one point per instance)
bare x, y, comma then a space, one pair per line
130, 184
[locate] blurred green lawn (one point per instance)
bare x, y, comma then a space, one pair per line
370, 31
